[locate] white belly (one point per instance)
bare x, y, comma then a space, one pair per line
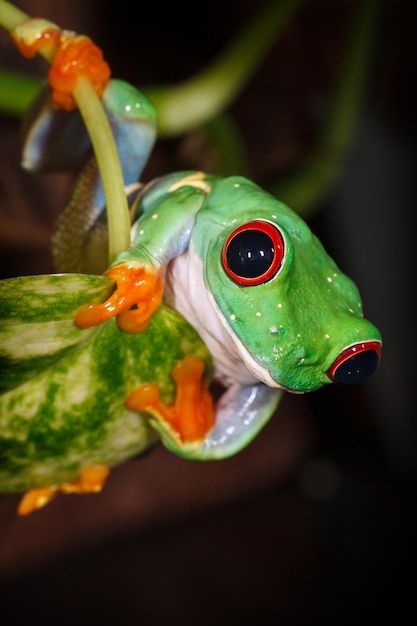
185, 292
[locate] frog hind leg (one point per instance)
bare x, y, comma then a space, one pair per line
91, 480
191, 416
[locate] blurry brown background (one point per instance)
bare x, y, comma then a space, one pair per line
314, 521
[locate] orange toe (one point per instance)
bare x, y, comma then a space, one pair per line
35, 499
136, 286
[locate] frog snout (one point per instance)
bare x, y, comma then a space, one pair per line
356, 363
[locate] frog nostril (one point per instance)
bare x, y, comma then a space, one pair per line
356, 363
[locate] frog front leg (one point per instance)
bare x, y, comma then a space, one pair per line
162, 233
139, 285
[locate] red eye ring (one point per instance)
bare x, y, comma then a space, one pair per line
253, 253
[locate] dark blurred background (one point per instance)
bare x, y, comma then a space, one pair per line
314, 521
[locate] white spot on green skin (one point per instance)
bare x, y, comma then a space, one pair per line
155, 216
236, 185
273, 330
279, 305
327, 336
329, 279
233, 317
258, 314
278, 352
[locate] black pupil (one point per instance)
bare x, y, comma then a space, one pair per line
250, 253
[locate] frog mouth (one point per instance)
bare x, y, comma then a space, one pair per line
356, 363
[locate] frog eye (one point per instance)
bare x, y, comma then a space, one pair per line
253, 253
356, 363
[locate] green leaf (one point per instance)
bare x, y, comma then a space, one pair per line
64, 407
37, 321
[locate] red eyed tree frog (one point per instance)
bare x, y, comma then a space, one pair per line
244, 270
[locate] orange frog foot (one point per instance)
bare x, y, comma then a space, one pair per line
135, 287
91, 480
75, 56
192, 414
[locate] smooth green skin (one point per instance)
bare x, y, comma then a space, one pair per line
296, 324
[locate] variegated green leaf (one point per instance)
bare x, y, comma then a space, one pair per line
37, 321
64, 407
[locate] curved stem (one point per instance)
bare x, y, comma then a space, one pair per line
11, 16
108, 162
102, 140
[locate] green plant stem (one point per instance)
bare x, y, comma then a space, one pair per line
11, 16
102, 140
108, 162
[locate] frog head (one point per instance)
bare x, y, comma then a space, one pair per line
295, 318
